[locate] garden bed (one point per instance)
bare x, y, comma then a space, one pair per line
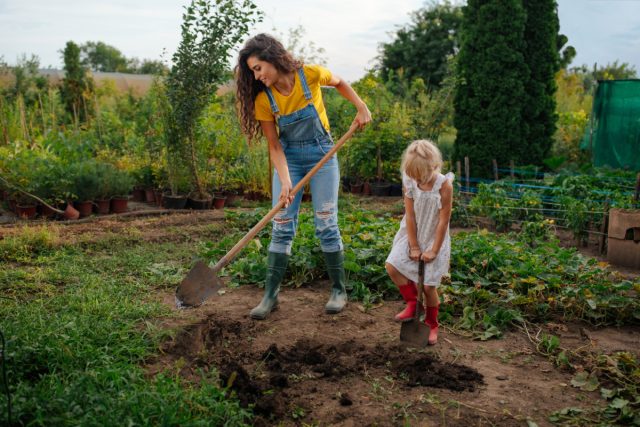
300, 366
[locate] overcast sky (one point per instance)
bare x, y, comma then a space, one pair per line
602, 31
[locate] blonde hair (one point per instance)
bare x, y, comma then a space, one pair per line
421, 160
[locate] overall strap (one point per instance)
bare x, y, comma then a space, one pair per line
305, 86
272, 101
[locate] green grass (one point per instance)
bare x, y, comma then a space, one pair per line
79, 324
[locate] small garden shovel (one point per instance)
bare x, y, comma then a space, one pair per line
202, 282
415, 331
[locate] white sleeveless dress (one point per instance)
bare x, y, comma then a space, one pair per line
426, 205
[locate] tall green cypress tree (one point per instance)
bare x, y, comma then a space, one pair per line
543, 61
489, 99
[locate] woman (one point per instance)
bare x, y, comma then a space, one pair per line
280, 97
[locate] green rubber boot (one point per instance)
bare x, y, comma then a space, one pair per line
335, 268
276, 267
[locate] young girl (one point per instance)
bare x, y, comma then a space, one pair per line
280, 97
424, 231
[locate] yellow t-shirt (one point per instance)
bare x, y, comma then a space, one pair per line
316, 76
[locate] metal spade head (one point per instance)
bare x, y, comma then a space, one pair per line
200, 283
414, 331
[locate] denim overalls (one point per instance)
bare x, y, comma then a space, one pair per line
305, 141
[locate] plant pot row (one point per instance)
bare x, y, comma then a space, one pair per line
72, 210
148, 195
381, 189
183, 202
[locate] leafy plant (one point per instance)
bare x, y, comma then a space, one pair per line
209, 32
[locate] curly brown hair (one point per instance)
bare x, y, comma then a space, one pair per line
265, 48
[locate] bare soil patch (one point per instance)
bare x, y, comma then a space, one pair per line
303, 366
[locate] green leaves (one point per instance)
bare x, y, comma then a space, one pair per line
209, 33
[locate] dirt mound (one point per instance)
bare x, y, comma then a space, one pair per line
276, 381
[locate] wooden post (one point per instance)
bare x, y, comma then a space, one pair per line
459, 171
466, 171
495, 169
512, 167
603, 227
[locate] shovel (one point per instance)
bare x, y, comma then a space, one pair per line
414, 331
201, 282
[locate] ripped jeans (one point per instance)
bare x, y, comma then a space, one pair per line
301, 158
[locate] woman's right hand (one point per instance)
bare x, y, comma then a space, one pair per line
414, 253
285, 193
363, 116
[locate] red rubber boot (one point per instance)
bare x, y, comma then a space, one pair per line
410, 295
431, 319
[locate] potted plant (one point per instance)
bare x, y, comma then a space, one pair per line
85, 185
120, 186
105, 173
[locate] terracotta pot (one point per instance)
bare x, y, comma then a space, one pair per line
158, 196
218, 202
139, 195
47, 212
232, 199
356, 188
103, 206
119, 204
174, 202
366, 189
26, 211
85, 208
70, 212
149, 195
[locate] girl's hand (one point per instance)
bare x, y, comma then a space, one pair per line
285, 193
428, 256
363, 117
414, 253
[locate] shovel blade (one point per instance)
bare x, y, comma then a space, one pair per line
201, 282
415, 332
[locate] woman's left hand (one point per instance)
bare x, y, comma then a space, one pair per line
363, 117
429, 255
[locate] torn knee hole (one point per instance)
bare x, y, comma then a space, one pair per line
280, 220
324, 214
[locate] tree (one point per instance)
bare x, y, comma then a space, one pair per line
567, 53
76, 85
307, 52
147, 66
99, 56
422, 48
543, 61
28, 83
491, 89
209, 32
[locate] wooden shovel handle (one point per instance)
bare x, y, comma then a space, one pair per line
268, 217
420, 288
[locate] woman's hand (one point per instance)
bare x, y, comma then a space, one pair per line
414, 253
285, 193
363, 117
429, 255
